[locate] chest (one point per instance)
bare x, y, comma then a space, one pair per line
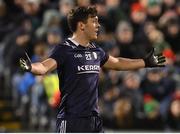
83, 61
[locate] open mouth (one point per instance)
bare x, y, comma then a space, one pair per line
97, 32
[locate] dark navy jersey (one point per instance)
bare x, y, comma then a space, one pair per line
78, 71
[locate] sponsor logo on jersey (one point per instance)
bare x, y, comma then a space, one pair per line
88, 68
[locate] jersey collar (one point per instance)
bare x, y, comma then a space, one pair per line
76, 43
73, 41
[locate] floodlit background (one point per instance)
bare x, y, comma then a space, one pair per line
147, 100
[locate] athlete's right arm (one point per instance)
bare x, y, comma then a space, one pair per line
43, 67
38, 68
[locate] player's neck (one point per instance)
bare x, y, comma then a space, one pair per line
80, 39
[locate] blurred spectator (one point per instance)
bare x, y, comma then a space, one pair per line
157, 86
172, 34
21, 43
151, 109
165, 17
177, 9
170, 56
130, 89
160, 88
115, 13
122, 112
168, 4
112, 3
149, 27
125, 41
138, 17
54, 36
169, 24
104, 19
124, 35
64, 7
7, 24
114, 50
156, 37
40, 51
51, 18
83, 2
174, 113
138, 14
154, 10
32, 9
109, 97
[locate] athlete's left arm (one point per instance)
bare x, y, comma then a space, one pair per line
123, 63
151, 60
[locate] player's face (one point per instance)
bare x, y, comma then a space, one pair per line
92, 28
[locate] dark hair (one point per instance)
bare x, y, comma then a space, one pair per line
80, 14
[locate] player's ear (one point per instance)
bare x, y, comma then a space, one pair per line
81, 25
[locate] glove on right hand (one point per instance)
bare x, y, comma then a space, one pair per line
25, 64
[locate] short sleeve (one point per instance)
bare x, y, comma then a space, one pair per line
104, 57
58, 54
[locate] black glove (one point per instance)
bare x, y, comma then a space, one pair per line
25, 64
152, 60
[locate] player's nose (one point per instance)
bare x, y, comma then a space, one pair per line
99, 25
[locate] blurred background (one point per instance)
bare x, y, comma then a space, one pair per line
147, 100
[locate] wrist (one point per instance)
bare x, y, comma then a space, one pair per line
144, 63
30, 68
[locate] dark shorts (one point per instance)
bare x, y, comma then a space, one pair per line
79, 125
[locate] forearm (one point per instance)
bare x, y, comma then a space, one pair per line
124, 63
130, 64
38, 68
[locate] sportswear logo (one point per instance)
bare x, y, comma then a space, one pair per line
78, 56
95, 55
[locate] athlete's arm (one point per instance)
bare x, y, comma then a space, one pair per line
151, 60
38, 68
43, 67
123, 63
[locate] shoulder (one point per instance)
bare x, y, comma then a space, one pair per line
95, 45
63, 46
69, 44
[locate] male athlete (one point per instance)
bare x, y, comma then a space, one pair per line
78, 61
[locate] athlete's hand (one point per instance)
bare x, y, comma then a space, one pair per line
25, 63
152, 60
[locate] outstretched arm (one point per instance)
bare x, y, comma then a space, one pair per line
151, 60
124, 63
44, 67
38, 68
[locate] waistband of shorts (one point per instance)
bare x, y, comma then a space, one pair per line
70, 115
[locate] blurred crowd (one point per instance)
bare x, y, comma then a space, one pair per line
147, 99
